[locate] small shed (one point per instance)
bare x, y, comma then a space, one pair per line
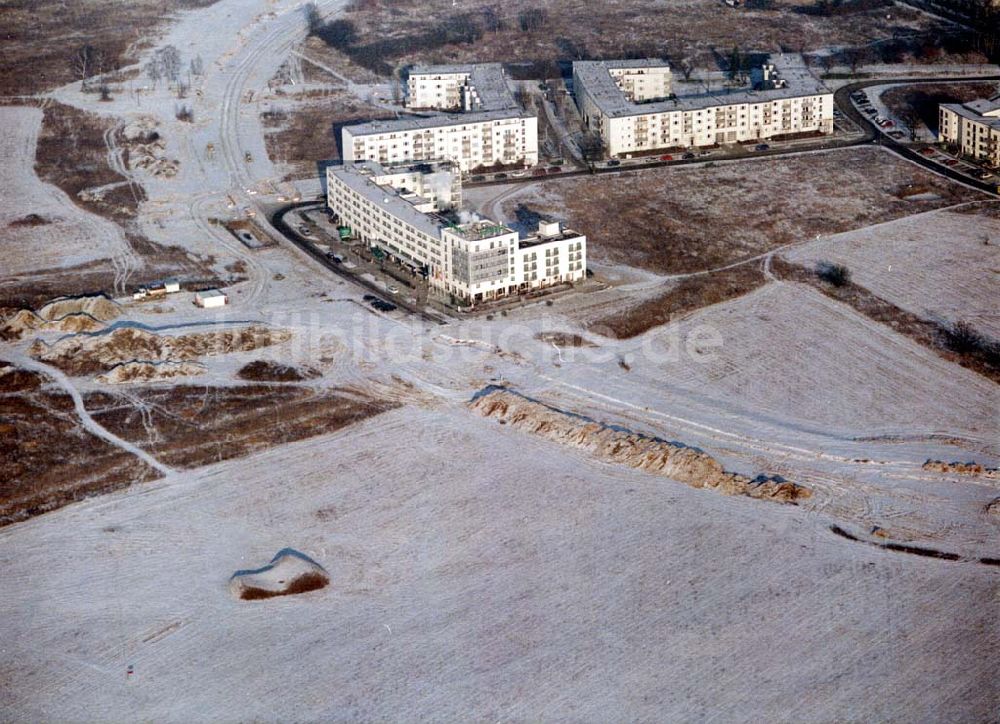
171, 286
210, 298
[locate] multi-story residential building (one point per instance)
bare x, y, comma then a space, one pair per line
475, 261
488, 131
974, 127
473, 140
621, 100
465, 88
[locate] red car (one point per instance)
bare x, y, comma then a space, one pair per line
666, 157
927, 151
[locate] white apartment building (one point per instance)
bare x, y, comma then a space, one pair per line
488, 131
475, 261
611, 94
464, 88
974, 127
472, 141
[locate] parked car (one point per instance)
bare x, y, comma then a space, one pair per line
950, 162
478, 178
499, 176
614, 162
666, 157
927, 151
870, 111
538, 172
553, 169
761, 147
688, 156
897, 134
392, 289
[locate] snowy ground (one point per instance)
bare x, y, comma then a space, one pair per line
941, 266
543, 587
481, 573
73, 237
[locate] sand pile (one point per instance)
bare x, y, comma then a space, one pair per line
673, 460
289, 572
98, 306
68, 314
971, 468
149, 371
91, 354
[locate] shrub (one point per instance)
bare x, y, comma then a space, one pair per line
836, 274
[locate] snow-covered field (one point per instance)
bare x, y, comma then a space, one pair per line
480, 572
942, 266
73, 235
536, 585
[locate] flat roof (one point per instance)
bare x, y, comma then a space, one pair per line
481, 229
595, 77
967, 110
536, 240
373, 128
359, 178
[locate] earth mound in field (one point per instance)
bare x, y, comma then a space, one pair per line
613, 443
149, 371
66, 314
960, 468
87, 354
263, 370
288, 573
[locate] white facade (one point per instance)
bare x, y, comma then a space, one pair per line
475, 261
463, 88
210, 298
643, 84
789, 102
973, 127
471, 141
448, 91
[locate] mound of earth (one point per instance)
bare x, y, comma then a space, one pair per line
564, 339
68, 314
673, 460
30, 220
262, 370
148, 371
98, 306
971, 468
289, 572
91, 354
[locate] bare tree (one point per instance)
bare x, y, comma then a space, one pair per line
153, 70
687, 67
493, 19
87, 61
170, 61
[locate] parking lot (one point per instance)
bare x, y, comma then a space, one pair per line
867, 101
